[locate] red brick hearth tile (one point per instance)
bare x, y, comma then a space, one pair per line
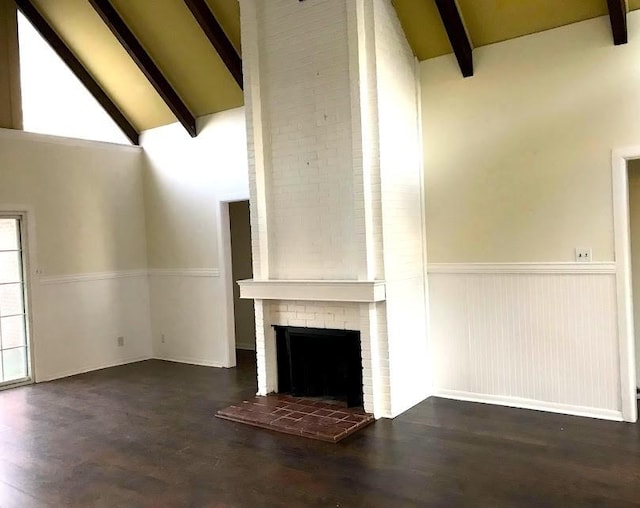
298, 407
355, 418
319, 420
339, 415
268, 402
258, 408
304, 417
322, 412
286, 423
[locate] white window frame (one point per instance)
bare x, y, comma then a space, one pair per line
24, 218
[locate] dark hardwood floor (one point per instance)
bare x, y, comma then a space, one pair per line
145, 435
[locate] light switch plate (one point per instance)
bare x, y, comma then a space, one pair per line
583, 254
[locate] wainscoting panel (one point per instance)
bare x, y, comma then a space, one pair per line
188, 318
78, 319
535, 336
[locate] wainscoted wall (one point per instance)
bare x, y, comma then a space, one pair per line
78, 319
86, 248
540, 336
186, 182
186, 309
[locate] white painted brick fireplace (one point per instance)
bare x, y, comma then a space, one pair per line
332, 104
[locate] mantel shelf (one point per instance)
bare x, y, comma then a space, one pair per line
362, 291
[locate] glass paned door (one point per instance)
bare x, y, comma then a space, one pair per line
14, 344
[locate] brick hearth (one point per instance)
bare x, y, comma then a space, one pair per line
311, 418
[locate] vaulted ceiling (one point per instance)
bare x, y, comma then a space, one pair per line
491, 21
173, 39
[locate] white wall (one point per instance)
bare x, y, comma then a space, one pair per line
186, 179
518, 169
306, 103
517, 157
397, 88
94, 277
87, 247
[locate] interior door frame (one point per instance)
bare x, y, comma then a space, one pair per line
622, 252
226, 273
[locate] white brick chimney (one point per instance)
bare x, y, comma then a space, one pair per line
332, 102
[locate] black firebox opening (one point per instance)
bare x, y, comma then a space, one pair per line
317, 362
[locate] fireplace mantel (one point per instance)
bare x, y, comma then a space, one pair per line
362, 291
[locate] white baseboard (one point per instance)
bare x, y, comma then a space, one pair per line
538, 405
190, 361
69, 373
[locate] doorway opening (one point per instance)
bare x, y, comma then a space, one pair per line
624, 167
242, 268
15, 355
633, 175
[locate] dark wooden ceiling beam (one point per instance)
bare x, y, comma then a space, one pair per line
460, 43
219, 40
618, 18
138, 54
58, 45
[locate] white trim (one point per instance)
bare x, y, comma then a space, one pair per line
223, 227
15, 134
86, 277
123, 274
167, 358
75, 372
30, 267
423, 218
184, 272
607, 267
538, 405
363, 291
190, 361
622, 248
16, 384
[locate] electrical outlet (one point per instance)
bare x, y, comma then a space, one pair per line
583, 254
162, 338
120, 341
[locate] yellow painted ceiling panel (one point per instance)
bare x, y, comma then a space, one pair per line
227, 12
633, 4
103, 56
490, 21
423, 27
177, 44
179, 47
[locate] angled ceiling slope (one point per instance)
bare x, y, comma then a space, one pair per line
58, 45
491, 21
145, 63
173, 37
173, 40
